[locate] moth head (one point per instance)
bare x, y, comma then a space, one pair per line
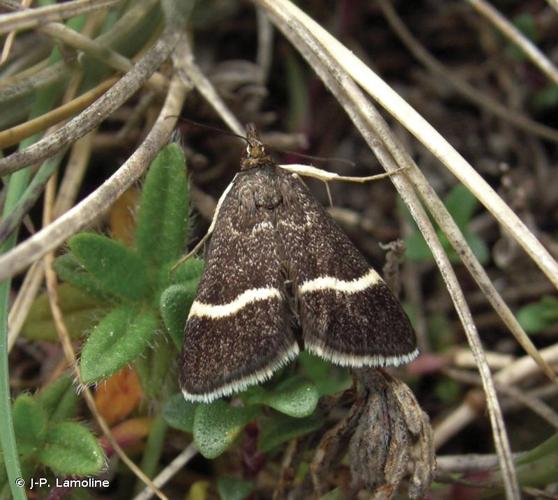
255, 155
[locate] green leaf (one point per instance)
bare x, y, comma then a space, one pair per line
218, 424
538, 316
179, 413
163, 214
59, 399
187, 271
154, 368
416, 248
328, 379
118, 270
461, 204
232, 488
176, 301
30, 424
118, 339
295, 397
71, 449
546, 448
70, 270
81, 312
546, 98
278, 429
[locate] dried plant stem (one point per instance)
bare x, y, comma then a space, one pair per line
16, 134
88, 119
169, 471
512, 374
481, 100
428, 136
190, 73
366, 118
67, 193
105, 54
29, 18
11, 37
90, 207
52, 287
535, 404
516, 37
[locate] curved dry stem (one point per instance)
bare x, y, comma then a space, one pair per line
90, 207
191, 74
67, 193
16, 134
428, 136
169, 471
366, 119
88, 119
514, 373
69, 353
29, 18
483, 101
101, 52
517, 38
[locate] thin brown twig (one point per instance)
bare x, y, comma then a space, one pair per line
431, 138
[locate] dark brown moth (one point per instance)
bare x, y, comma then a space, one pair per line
277, 264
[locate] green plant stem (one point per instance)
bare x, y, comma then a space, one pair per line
16, 186
153, 449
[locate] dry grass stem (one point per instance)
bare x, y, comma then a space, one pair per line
30, 18
517, 38
428, 136
191, 74
514, 373
169, 471
97, 202
105, 54
16, 134
366, 118
88, 119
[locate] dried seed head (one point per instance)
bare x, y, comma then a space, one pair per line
392, 440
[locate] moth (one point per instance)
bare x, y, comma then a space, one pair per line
280, 275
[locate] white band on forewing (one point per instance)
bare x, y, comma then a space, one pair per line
331, 283
201, 309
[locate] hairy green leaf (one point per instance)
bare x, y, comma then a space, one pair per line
218, 424
163, 214
117, 340
118, 270
71, 449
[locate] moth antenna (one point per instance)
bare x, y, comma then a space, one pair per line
207, 127
209, 231
312, 157
192, 252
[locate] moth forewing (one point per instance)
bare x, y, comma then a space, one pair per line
270, 230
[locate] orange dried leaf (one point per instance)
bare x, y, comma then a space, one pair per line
128, 433
123, 217
118, 396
